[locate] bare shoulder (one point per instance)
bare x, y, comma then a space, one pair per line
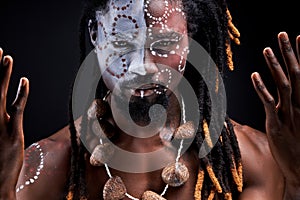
262, 176
45, 168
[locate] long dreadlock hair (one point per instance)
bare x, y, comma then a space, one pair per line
220, 172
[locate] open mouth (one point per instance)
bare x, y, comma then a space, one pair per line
148, 90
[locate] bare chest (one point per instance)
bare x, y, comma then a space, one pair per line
137, 184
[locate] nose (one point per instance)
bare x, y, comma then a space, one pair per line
144, 64
149, 62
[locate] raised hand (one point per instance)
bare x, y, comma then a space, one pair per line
11, 130
283, 117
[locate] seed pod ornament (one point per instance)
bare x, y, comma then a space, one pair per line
101, 154
175, 174
185, 131
149, 195
114, 189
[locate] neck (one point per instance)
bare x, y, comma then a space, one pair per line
138, 142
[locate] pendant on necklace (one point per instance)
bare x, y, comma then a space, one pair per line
175, 174
185, 131
101, 154
149, 195
114, 189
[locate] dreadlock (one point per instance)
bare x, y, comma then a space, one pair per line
220, 172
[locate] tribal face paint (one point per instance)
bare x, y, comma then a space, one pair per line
141, 41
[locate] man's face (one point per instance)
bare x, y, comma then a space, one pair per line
142, 46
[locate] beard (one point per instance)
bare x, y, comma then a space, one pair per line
139, 108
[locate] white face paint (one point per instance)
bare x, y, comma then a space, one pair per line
121, 39
138, 39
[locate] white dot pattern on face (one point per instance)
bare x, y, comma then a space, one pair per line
162, 21
116, 62
182, 65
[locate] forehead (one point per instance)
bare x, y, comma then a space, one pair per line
135, 14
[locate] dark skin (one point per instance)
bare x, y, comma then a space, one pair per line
282, 117
271, 164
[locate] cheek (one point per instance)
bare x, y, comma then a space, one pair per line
109, 80
171, 68
112, 63
112, 66
118, 67
177, 59
172, 61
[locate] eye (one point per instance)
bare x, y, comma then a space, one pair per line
165, 43
164, 46
121, 44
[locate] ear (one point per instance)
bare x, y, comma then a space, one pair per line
93, 30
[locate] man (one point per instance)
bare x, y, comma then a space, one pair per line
134, 43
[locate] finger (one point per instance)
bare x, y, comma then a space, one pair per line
280, 79
298, 47
292, 65
5, 73
1, 54
287, 52
18, 106
266, 98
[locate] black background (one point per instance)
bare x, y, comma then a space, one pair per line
42, 37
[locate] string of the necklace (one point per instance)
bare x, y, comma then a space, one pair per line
181, 142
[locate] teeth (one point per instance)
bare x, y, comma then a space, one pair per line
142, 93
